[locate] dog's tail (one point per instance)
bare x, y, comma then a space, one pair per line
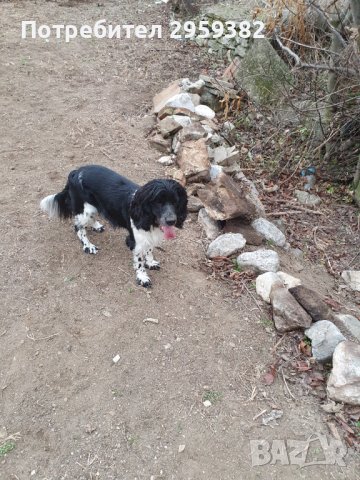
58, 205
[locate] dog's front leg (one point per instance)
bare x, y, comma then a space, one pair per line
150, 262
142, 277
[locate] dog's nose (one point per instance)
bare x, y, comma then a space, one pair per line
170, 221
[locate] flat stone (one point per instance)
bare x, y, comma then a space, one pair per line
161, 144
165, 112
182, 120
236, 225
265, 283
352, 278
226, 245
181, 100
169, 126
226, 156
179, 176
232, 169
205, 112
210, 226
185, 112
166, 161
210, 123
288, 280
288, 315
307, 198
344, 381
269, 231
352, 324
225, 199
312, 302
193, 87
193, 159
195, 98
261, 260
192, 132
324, 336
161, 98
194, 204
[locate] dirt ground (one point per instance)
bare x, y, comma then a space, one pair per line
65, 315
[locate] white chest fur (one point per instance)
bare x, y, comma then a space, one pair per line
146, 240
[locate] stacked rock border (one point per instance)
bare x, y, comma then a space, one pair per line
194, 144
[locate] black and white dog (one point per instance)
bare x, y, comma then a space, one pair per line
149, 213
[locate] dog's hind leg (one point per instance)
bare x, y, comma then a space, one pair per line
82, 221
150, 262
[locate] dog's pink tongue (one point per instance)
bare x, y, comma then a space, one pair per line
169, 232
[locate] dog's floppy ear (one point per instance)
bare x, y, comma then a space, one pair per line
181, 206
140, 209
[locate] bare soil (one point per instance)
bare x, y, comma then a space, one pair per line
65, 315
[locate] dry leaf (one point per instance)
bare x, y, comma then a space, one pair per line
269, 378
333, 430
305, 348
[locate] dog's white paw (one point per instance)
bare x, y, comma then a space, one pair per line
98, 227
143, 280
90, 248
153, 265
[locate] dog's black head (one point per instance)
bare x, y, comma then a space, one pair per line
159, 203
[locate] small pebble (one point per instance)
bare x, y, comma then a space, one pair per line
116, 358
151, 320
181, 448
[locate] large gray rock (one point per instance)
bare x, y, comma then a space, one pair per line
352, 324
352, 278
324, 336
288, 315
263, 74
344, 381
226, 245
209, 225
265, 283
225, 198
260, 260
312, 302
307, 198
270, 231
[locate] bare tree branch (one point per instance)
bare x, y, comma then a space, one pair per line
325, 18
309, 46
346, 71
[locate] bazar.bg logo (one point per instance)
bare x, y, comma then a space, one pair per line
316, 450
